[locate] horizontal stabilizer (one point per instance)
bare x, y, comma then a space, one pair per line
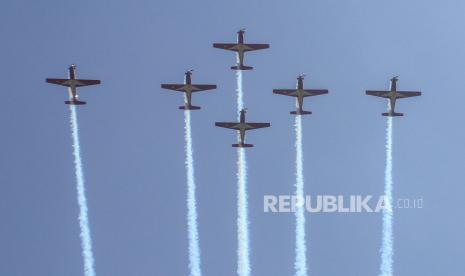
75, 102
243, 67
242, 145
301, 112
394, 114
189, 107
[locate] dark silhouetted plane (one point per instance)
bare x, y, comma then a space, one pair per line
240, 47
393, 95
300, 93
242, 127
188, 88
73, 83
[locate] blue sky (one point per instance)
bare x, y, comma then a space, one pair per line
132, 133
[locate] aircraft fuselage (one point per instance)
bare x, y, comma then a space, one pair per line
241, 47
188, 88
300, 93
242, 127
393, 96
72, 83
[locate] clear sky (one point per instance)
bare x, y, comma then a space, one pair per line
132, 133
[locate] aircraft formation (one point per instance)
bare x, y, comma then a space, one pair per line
242, 126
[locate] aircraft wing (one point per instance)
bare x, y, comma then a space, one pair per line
202, 87
407, 94
257, 125
307, 92
226, 46
286, 92
254, 47
314, 92
63, 82
231, 125
382, 94
175, 87
80, 83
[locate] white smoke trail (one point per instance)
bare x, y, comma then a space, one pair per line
243, 266
240, 96
242, 219
300, 264
86, 240
193, 234
387, 243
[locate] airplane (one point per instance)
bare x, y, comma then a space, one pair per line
393, 95
188, 88
241, 48
242, 127
300, 93
73, 83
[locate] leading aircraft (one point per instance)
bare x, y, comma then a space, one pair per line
240, 47
242, 127
300, 93
73, 83
393, 95
188, 88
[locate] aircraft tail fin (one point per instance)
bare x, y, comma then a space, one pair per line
242, 145
75, 102
241, 67
300, 112
393, 114
189, 107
